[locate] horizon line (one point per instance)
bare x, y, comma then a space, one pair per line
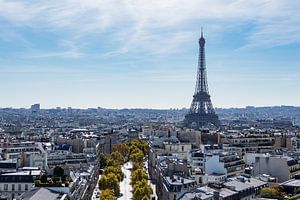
146, 108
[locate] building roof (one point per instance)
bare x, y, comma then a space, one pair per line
291, 183
242, 183
8, 164
223, 192
41, 193
65, 147
195, 195
256, 182
19, 177
237, 185
198, 153
177, 180
23, 173
291, 162
29, 168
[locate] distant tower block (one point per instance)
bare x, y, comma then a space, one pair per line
35, 108
201, 113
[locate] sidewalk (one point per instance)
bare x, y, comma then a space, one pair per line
96, 192
125, 187
149, 180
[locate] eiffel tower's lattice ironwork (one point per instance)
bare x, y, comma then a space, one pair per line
202, 112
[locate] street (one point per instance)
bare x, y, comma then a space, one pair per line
125, 187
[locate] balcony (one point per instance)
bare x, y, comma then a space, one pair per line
235, 164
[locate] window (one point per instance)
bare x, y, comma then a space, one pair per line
5, 187
26, 187
182, 148
13, 187
19, 187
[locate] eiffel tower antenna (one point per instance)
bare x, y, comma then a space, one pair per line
201, 31
202, 112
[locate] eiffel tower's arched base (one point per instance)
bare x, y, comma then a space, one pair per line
197, 120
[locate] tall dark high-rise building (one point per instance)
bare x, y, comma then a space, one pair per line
202, 112
35, 108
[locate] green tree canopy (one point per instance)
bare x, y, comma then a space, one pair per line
270, 192
138, 175
102, 161
111, 162
107, 194
137, 157
58, 171
117, 156
110, 181
140, 144
142, 190
122, 148
114, 170
43, 178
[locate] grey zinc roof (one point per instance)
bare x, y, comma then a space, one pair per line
249, 182
20, 173
237, 185
192, 195
177, 181
292, 183
40, 193
224, 192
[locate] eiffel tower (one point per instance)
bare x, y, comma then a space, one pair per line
202, 112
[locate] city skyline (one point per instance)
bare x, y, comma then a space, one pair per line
139, 54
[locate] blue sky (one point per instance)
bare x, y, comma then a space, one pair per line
141, 53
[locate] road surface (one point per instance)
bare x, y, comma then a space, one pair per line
125, 187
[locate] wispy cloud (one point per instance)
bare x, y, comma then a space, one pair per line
66, 49
276, 77
158, 27
23, 69
57, 54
